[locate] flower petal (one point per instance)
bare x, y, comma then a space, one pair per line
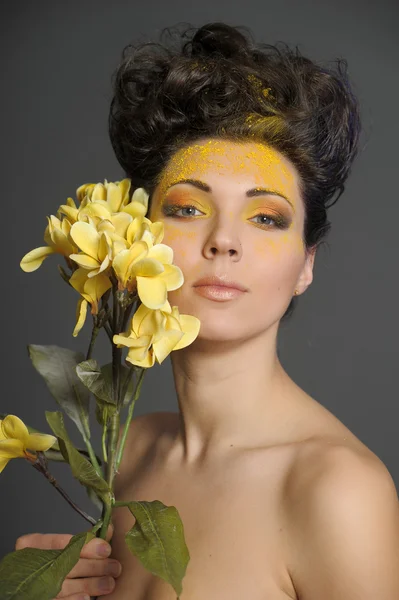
173, 277
99, 192
11, 449
40, 442
161, 252
148, 267
96, 287
33, 259
81, 313
152, 291
85, 261
14, 428
86, 237
141, 360
167, 342
130, 342
135, 209
121, 222
114, 197
191, 327
96, 209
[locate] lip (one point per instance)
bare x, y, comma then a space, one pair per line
220, 282
219, 293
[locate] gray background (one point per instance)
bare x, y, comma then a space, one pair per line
341, 345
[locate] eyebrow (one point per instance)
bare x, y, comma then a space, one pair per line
252, 193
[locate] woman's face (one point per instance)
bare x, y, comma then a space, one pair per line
217, 229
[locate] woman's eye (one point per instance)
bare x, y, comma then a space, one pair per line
173, 209
264, 218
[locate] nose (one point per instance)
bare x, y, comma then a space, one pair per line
223, 241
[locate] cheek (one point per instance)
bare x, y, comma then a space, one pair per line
183, 244
280, 250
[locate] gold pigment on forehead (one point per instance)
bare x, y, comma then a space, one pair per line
198, 156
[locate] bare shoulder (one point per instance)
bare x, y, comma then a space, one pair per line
327, 463
342, 524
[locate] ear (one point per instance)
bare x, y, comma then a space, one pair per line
306, 276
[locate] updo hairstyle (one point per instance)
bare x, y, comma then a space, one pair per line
216, 82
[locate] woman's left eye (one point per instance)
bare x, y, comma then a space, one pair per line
263, 216
173, 209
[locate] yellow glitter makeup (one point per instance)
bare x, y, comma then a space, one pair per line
265, 163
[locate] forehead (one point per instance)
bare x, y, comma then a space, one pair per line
246, 163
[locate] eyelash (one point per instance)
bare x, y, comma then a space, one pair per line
172, 209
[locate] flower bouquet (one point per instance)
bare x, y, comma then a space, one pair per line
110, 248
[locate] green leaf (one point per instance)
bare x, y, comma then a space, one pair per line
106, 371
90, 374
58, 368
157, 539
33, 574
81, 468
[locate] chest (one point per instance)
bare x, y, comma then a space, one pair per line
233, 526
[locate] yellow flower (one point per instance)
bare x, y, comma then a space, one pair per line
99, 203
91, 290
154, 334
15, 439
57, 237
151, 266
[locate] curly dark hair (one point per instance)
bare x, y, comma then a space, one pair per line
216, 82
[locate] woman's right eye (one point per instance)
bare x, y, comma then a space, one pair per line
173, 209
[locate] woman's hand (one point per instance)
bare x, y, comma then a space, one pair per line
93, 575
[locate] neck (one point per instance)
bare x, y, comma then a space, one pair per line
230, 396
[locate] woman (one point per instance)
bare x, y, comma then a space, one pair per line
241, 147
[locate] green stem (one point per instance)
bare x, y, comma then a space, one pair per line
117, 503
94, 334
103, 442
93, 456
113, 428
109, 332
126, 384
128, 419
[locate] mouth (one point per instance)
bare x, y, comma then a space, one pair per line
219, 293
220, 283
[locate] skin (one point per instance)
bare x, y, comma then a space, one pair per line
230, 382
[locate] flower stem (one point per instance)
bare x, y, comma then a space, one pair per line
113, 428
129, 418
94, 334
103, 442
42, 468
108, 331
92, 455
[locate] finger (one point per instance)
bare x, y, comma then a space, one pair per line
44, 541
94, 586
91, 567
96, 548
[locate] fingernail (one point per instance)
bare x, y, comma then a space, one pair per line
114, 569
105, 584
103, 550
